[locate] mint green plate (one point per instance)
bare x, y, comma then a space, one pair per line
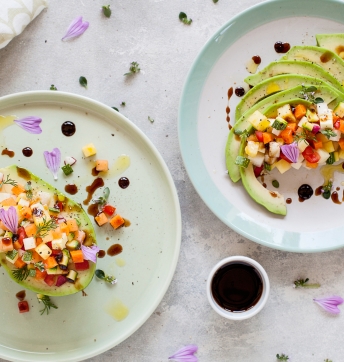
84, 326
312, 226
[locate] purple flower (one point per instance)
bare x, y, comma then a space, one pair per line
185, 354
330, 304
291, 151
76, 28
90, 253
53, 160
30, 124
10, 218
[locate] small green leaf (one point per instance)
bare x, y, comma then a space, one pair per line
134, 68
123, 104
106, 10
52, 87
184, 18
116, 109
151, 120
215, 1
275, 184
100, 274
312, 88
83, 81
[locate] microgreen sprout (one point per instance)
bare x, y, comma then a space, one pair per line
8, 181
303, 283
47, 303
133, 69
52, 87
304, 135
83, 81
45, 227
20, 274
28, 190
106, 10
308, 93
107, 278
282, 357
102, 200
184, 18
151, 120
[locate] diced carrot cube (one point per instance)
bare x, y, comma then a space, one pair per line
72, 225
117, 221
19, 263
311, 165
341, 143
36, 257
341, 126
77, 256
40, 275
268, 137
9, 202
17, 244
321, 137
31, 230
101, 219
50, 262
102, 165
57, 234
64, 228
287, 135
19, 189
26, 212
292, 126
317, 145
300, 111
39, 241
48, 237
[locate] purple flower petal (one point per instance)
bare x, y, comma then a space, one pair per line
10, 218
90, 253
330, 304
291, 151
30, 124
53, 160
76, 28
185, 354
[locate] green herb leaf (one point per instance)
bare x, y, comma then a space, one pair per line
151, 120
328, 133
107, 278
116, 109
83, 82
184, 18
123, 104
215, 1
52, 87
303, 283
47, 303
318, 100
133, 69
67, 169
106, 10
282, 357
275, 184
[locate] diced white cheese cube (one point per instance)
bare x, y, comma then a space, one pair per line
60, 243
276, 132
251, 148
286, 113
296, 165
44, 197
322, 108
23, 203
274, 149
269, 160
326, 120
257, 160
29, 243
69, 160
302, 145
261, 148
323, 156
303, 120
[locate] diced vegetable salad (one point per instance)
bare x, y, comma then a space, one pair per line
296, 136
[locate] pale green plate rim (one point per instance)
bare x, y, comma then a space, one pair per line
187, 122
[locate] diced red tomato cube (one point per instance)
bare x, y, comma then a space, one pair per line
109, 210
23, 306
82, 266
259, 135
49, 279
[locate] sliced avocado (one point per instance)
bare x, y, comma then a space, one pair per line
21, 176
325, 58
326, 92
273, 85
293, 67
333, 42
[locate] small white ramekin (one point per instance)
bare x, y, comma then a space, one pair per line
256, 308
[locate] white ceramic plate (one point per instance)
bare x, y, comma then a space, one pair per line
311, 226
82, 326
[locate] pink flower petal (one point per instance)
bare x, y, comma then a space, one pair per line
53, 160
185, 354
10, 218
30, 124
291, 151
90, 253
76, 28
330, 304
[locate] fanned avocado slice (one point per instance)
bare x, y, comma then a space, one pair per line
272, 200
325, 58
294, 67
273, 85
327, 93
333, 42
22, 176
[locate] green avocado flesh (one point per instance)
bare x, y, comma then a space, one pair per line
325, 58
73, 210
333, 42
272, 85
293, 67
233, 142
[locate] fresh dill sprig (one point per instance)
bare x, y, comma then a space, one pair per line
45, 227
282, 357
303, 283
133, 69
20, 274
47, 303
8, 181
304, 135
28, 190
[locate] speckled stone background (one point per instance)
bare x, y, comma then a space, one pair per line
149, 32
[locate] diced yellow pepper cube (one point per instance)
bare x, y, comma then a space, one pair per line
89, 150
341, 154
328, 147
283, 166
336, 156
43, 251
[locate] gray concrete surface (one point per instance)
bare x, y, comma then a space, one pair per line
149, 32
